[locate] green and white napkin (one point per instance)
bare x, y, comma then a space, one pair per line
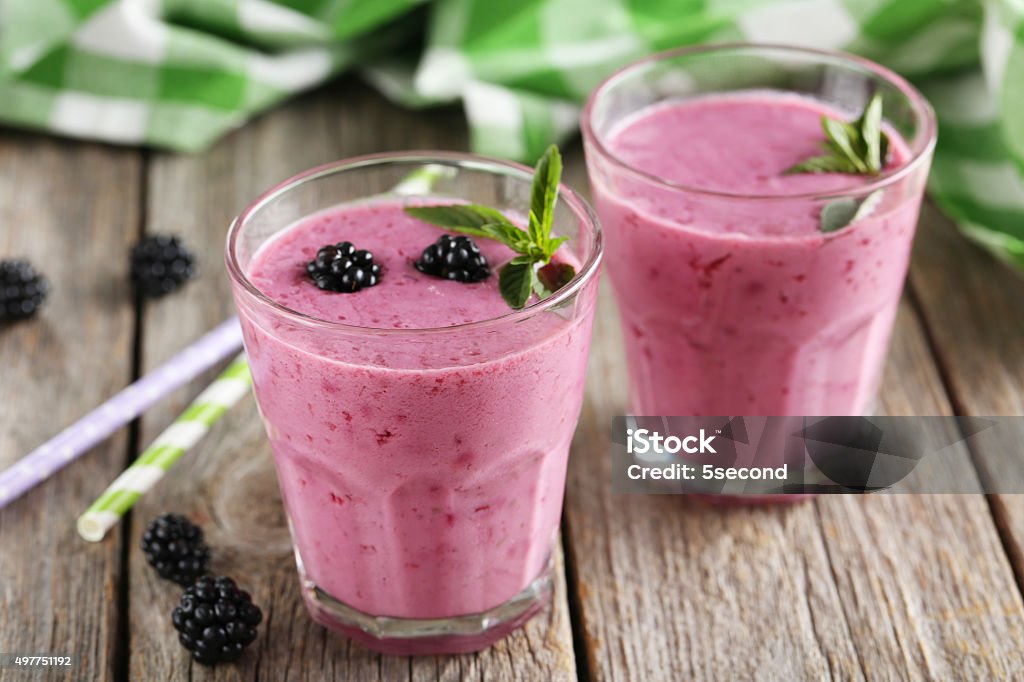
180, 73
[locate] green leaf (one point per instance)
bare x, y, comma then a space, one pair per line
516, 283
553, 244
843, 138
883, 151
868, 205
837, 214
506, 233
484, 231
857, 148
842, 212
475, 220
822, 164
870, 125
457, 215
536, 228
544, 194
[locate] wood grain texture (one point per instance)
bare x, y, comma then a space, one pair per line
228, 484
844, 587
974, 310
72, 210
924, 581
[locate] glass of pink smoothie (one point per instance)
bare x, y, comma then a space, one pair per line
420, 427
733, 300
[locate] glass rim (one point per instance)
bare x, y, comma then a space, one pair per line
921, 148
580, 208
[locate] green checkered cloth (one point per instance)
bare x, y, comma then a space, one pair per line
180, 73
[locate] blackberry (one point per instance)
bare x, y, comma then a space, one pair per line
174, 546
215, 620
341, 267
22, 290
455, 258
160, 264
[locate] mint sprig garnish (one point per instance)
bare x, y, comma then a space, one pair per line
520, 277
859, 147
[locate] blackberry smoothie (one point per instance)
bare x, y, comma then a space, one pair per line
762, 313
733, 299
420, 431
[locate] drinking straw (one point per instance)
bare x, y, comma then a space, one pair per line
94, 427
194, 423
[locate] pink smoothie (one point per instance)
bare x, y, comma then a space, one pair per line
422, 472
742, 306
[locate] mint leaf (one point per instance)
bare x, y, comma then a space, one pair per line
883, 152
457, 215
534, 245
516, 283
837, 214
842, 212
843, 139
868, 205
857, 148
544, 194
536, 229
870, 126
506, 233
822, 164
475, 220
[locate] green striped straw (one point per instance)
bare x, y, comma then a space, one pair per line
194, 423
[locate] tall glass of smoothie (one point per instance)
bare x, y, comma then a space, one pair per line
420, 427
745, 289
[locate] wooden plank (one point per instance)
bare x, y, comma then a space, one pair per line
72, 209
974, 310
924, 580
883, 587
197, 196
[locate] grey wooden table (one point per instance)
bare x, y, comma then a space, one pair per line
648, 588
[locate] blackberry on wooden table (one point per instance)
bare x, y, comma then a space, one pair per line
174, 546
216, 620
160, 264
23, 290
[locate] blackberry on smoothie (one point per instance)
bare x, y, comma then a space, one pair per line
420, 425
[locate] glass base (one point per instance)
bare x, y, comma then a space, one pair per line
413, 636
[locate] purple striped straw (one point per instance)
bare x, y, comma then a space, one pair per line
75, 440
